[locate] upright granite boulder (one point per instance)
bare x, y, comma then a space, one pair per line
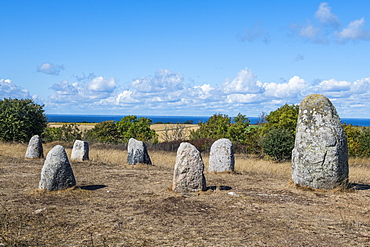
57, 174
80, 151
320, 154
34, 149
221, 157
137, 152
189, 170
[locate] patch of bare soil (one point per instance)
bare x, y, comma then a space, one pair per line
122, 205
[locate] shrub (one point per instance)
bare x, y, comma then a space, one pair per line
278, 143
66, 133
20, 119
358, 140
104, 132
132, 127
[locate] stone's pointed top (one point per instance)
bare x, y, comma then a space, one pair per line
35, 149
318, 110
57, 174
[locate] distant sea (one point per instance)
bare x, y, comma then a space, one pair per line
64, 118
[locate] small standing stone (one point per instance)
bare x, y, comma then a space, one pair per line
221, 158
189, 168
80, 151
34, 149
137, 152
320, 154
57, 174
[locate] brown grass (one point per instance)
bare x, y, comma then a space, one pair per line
115, 204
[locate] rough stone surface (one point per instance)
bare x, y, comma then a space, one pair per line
137, 152
56, 174
221, 157
189, 168
320, 154
34, 149
80, 151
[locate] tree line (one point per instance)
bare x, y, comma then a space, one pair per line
273, 136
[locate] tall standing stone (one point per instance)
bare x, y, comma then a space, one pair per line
221, 157
189, 170
56, 174
320, 154
34, 149
137, 152
80, 151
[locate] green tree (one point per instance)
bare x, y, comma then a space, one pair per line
216, 127
104, 132
285, 117
20, 119
138, 128
239, 131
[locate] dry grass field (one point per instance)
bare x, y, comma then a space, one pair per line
115, 204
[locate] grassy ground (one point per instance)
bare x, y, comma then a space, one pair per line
115, 204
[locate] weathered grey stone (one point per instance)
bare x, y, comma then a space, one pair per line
320, 154
34, 149
221, 157
80, 151
137, 152
189, 170
56, 174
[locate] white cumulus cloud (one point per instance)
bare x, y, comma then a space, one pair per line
162, 81
98, 88
100, 84
333, 85
9, 90
50, 69
293, 89
354, 31
245, 82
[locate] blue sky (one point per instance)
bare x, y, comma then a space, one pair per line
185, 57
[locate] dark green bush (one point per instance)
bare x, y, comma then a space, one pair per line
278, 143
104, 132
20, 119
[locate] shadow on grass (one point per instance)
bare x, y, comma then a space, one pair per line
219, 187
357, 186
92, 187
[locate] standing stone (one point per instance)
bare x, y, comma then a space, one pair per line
34, 149
80, 151
221, 158
320, 154
56, 174
137, 152
189, 168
